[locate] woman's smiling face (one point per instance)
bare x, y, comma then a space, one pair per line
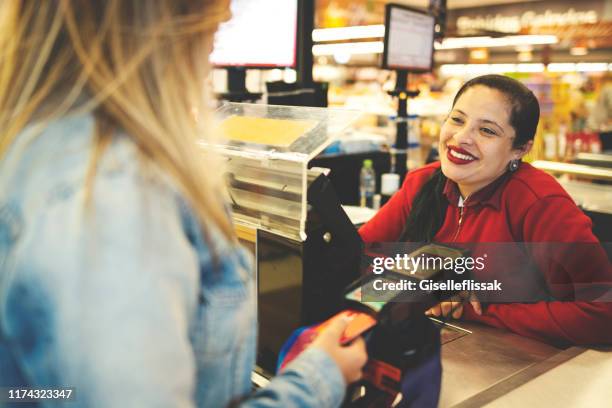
476, 139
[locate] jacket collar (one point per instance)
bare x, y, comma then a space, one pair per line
488, 195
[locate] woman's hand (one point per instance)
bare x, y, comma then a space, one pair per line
454, 306
350, 358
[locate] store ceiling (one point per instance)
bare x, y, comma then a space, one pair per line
573, 39
455, 4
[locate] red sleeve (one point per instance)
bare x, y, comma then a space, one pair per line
573, 260
388, 223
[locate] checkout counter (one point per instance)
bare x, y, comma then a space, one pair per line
292, 220
590, 186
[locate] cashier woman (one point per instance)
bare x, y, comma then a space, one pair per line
481, 191
120, 274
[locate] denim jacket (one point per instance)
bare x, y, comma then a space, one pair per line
120, 296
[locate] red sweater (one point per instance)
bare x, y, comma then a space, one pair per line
526, 206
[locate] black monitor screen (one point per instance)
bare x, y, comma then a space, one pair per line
409, 36
260, 34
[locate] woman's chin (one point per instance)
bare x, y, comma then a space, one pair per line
453, 173
451, 170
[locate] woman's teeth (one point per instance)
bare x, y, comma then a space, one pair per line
461, 156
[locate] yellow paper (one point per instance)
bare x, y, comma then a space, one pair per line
275, 132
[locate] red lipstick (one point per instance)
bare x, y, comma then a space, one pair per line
456, 159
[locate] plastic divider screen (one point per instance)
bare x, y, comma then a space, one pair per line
267, 149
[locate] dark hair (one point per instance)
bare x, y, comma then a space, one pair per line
429, 205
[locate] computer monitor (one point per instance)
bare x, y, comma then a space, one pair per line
260, 34
409, 36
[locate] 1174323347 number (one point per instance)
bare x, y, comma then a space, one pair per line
34, 394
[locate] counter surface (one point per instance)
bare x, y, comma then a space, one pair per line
486, 356
582, 381
495, 368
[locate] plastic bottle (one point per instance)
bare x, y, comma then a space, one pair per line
550, 146
562, 142
376, 202
569, 150
414, 155
367, 184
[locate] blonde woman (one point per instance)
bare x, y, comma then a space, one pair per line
120, 273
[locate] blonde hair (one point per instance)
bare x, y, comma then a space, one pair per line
143, 65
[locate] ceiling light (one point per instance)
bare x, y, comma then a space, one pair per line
479, 54
579, 51
348, 33
529, 67
488, 42
523, 48
371, 47
482, 69
591, 67
501, 68
477, 69
561, 67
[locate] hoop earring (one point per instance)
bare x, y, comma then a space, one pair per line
513, 165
